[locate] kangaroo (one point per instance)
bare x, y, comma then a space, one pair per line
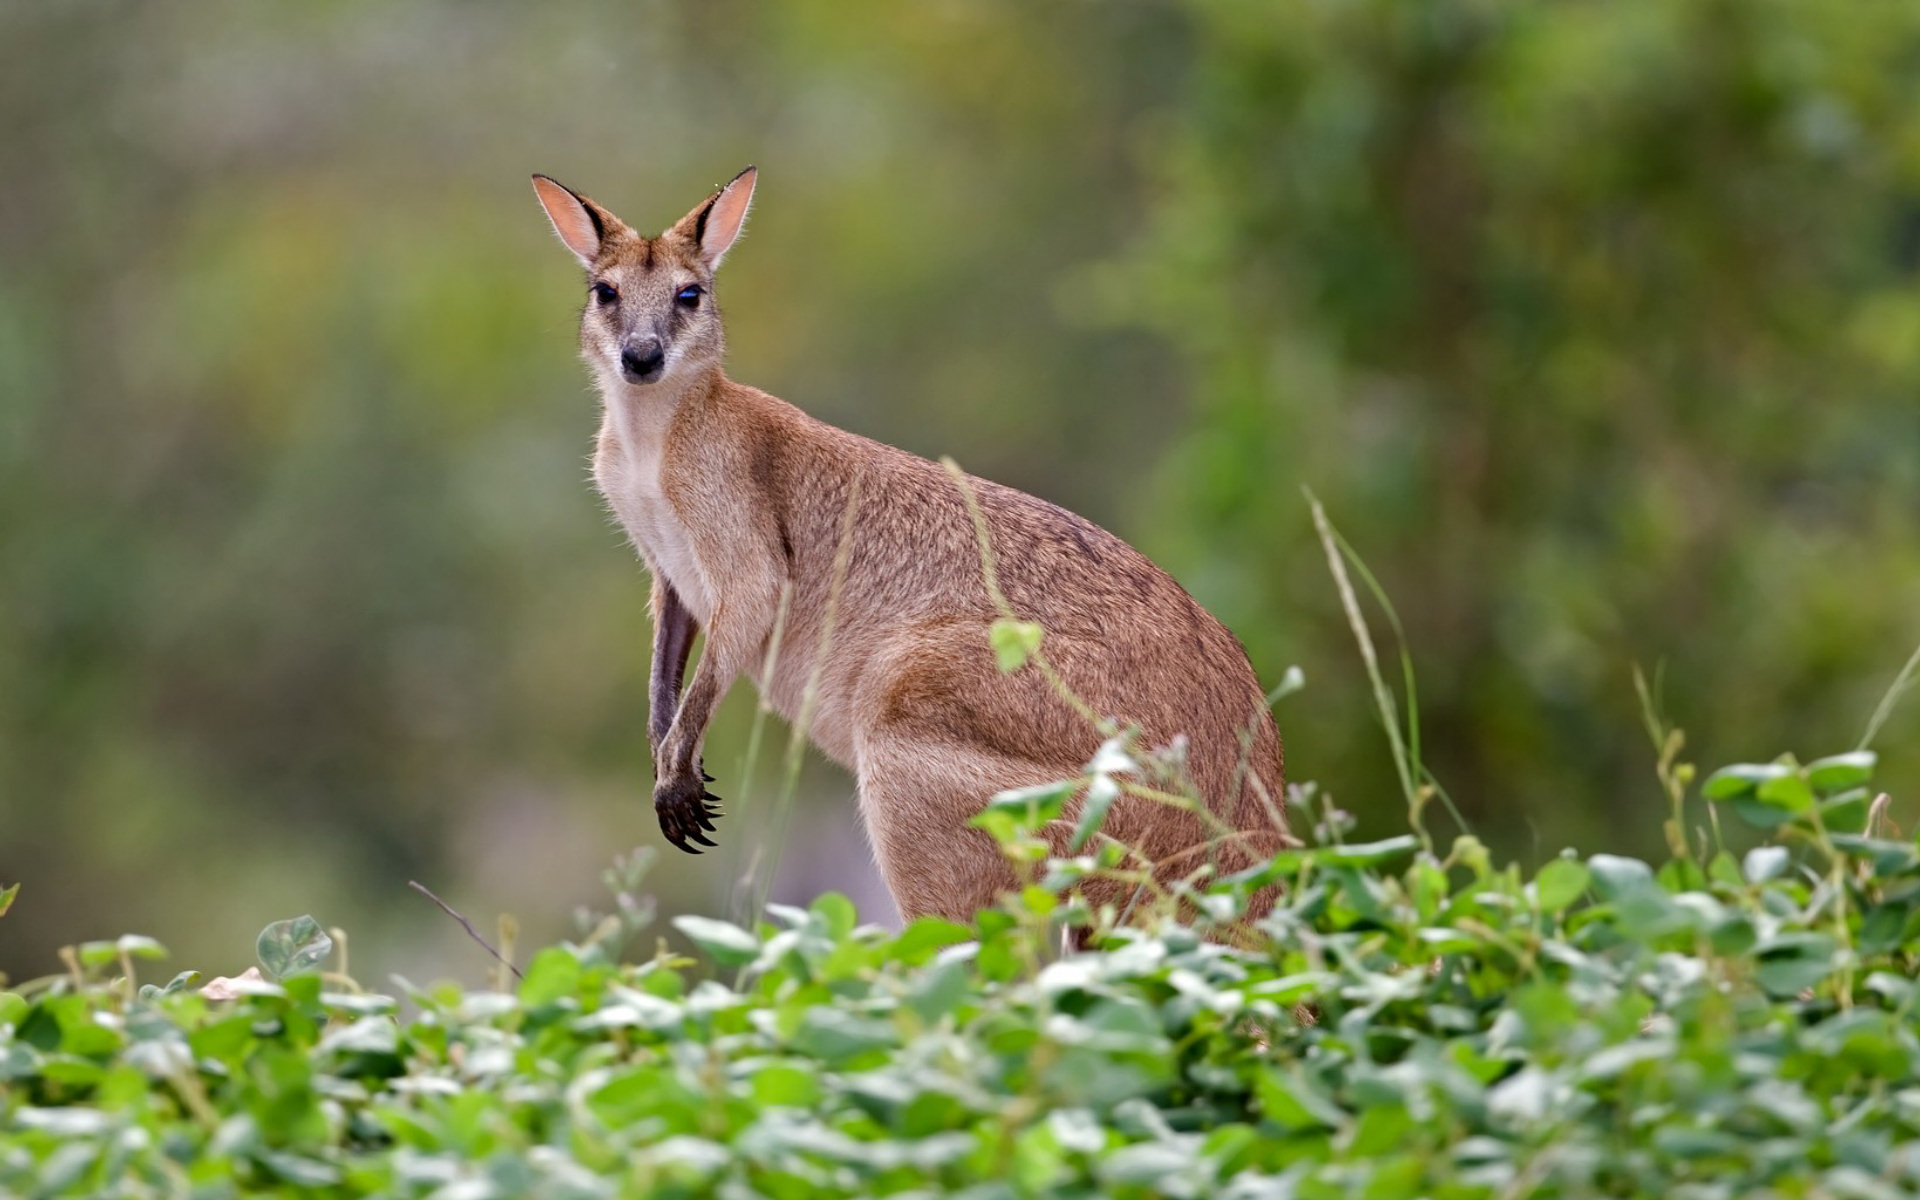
736, 499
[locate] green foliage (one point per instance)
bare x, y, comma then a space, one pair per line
292, 947
1014, 642
1401, 1024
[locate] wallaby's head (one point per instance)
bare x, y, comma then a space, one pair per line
650, 315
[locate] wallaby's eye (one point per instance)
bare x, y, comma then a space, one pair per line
688, 296
604, 293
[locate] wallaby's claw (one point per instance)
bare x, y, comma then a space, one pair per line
686, 815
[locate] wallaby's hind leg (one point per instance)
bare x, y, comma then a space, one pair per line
954, 730
916, 797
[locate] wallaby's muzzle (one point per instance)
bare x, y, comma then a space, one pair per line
642, 360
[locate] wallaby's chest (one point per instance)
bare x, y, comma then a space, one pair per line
627, 470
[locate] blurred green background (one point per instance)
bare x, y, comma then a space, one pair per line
1596, 327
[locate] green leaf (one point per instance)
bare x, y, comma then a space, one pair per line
553, 973
1841, 771
1788, 792
1029, 808
1763, 863
1791, 963
1732, 935
1741, 779
1846, 812
727, 944
1724, 870
835, 1035
1471, 853
97, 954
1368, 854
135, 946
299, 1169
1559, 884
1014, 642
1382, 1129
919, 940
1760, 814
1428, 885
6, 898
1144, 1166
1888, 857
938, 990
1884, 928
1615, 877
1681, 875
836, 912
1101, 794
1296, 1102
1791, 975
292, 947
784, 1085
174, 987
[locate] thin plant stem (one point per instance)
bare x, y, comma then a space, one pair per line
465, 924
1400, 639
1428, 780
809, 702
507, 929
991, 578
745, 877
1908, 676
1383, 697
1668, 741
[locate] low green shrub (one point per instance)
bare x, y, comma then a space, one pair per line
1407, 1023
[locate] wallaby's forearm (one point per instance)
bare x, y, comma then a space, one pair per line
680, 797
673, 630
736, 632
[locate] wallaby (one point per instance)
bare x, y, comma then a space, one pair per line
735, 498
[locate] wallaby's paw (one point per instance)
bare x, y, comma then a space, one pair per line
686, 809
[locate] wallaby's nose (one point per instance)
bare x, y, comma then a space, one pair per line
641, 360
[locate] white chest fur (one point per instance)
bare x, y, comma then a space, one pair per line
627, 468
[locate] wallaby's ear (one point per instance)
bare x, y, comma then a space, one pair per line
716, 224
581, 223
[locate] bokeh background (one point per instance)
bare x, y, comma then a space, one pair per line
1596, 327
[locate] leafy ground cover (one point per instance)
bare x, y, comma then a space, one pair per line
1410, 1021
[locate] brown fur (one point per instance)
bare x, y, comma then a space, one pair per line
731, 494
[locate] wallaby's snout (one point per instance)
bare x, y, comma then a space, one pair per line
642, 359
